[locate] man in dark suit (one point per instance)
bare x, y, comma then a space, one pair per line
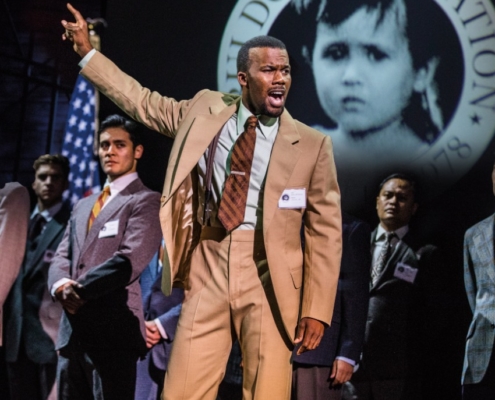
389, 368
161, 314
33, 318
319, 374
109, 240
478, 374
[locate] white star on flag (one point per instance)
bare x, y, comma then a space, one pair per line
84, 177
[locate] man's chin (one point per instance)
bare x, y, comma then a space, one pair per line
272, 112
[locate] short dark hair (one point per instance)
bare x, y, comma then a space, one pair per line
402, 177
118, 121
54, 159
243, 62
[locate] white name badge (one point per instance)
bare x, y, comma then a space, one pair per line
293, 198
405, 272
111, 228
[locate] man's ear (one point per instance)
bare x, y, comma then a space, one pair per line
242, 79
138, 151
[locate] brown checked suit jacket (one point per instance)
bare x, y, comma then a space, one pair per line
301, 158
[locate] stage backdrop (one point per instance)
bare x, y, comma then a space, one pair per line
410, 89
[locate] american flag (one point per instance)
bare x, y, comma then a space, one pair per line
78, 142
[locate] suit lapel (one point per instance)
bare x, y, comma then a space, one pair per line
51, 231
398, 255
81, 220
282, 162
194, 144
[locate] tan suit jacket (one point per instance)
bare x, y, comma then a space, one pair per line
14, 217
301, 158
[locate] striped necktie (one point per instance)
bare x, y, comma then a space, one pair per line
98, 205
382, 258
233, 203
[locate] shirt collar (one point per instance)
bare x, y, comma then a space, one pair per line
121, 183
380, 232
267, 127
48, 213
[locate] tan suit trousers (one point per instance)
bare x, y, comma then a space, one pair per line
230, 295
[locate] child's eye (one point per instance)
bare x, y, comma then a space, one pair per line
336, 51
375, 54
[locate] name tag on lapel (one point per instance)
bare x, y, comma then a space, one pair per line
293, 198
405, 272
111, 228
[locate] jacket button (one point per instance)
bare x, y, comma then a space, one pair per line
81, 266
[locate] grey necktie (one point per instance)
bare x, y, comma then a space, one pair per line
382, 257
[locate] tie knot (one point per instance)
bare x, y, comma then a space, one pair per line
106, 190
250, 125
390, 235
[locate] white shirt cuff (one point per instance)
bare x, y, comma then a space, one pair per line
59, 283
347, 360
86, 58
160, 328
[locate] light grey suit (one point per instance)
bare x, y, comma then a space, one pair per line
110, 325
479, 279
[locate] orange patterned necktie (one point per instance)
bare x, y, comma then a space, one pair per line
98, 205
233, 203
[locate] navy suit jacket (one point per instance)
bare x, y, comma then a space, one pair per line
164, 308
344, 337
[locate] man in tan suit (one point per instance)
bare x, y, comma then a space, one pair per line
245, 281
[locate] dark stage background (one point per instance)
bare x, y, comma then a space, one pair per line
172, 47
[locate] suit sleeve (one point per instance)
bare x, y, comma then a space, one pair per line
170, 319
14, 216
61, 264
354, 284
141, 238
323, 238
469, 276
157, 112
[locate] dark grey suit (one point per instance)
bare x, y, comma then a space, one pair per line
345, 336
33, 318
392, 350
109, 329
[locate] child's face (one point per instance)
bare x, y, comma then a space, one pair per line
363, 71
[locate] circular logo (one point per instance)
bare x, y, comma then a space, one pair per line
436, 124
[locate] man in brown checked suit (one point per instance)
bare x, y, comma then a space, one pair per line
245, 281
